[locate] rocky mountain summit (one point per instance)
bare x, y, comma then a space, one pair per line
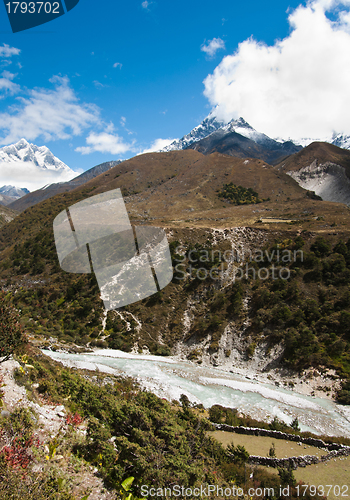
8, 194
40, 156
214, 130
30, 166
235, 138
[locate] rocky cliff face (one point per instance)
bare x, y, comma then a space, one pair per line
327, 180
323, 168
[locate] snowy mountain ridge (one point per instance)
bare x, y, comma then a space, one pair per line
25, 164
13, 191
8, 194
211, 124
40, 156
341, 140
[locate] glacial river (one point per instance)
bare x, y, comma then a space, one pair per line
169, 378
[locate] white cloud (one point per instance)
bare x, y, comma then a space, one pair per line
122, 121
7, 86
145, 4
30, 176
104, 142
213, 46
299, 87
157, 145
7, 51
99, 85
50, 114
117, 65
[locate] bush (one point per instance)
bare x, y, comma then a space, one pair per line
321, 247
11, 334
239, 195
286, 476
278, 425
238, 453
272, 451
37, 486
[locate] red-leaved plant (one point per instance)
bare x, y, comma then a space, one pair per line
74, 420
18, 454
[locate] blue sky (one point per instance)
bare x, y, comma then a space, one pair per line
108, 79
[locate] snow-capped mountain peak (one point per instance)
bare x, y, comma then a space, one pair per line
239, 123
240, 126
41, 156
8, 194
14, 191
212, 126
209, 125
32, 166
341, 140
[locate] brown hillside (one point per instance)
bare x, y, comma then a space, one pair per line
5, 200
322, 152
164, 183
181, 187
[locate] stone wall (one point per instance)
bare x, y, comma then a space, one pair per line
334, 449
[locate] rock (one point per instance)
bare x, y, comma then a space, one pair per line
5, 413
37, 468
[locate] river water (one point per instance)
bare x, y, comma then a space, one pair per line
169, 378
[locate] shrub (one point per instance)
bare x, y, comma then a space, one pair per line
272, 451
11, 334
239, 195
278, 425
321, 247
238, 453
295, 424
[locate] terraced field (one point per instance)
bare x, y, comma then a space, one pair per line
334, 472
